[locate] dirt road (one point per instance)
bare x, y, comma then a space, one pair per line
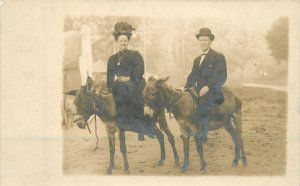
264, 132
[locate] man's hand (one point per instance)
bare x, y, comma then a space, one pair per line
182, 89
106, 91
203, 91
123, 79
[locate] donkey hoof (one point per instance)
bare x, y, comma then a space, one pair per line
203, 171
126, 171
109, 171
234, 163
161, 162
245, 163
184, 168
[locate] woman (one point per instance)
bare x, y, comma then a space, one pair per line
125, 71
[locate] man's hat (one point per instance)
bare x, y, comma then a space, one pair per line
205, 32
123, 28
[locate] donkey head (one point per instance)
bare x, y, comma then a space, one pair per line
153, 96
84, 102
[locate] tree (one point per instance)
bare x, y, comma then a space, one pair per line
68, 23
277, 38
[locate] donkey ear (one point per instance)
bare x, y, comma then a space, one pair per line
89, 83
71, 92
163, 80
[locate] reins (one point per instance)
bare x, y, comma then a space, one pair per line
96, 133
171, 105
95, 117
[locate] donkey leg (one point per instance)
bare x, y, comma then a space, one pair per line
200, 152
111, 138
164, 126
237, 118
232, 131
172, 142
244, 158
161, 141
186, 149
123, 150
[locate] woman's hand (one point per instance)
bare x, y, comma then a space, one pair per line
123, 79
203, 91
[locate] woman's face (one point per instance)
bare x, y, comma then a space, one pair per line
122, 42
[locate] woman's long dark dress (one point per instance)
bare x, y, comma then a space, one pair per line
127, 95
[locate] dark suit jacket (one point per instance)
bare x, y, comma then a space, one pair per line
212, 73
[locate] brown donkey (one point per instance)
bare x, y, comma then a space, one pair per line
89, 103
158, 96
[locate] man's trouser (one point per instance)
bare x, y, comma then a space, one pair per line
205, 104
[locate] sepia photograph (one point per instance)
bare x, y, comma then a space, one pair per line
188, 75
150, 93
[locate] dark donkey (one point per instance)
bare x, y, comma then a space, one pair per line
103, 105
158, 95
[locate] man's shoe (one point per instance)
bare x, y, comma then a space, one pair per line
141, 137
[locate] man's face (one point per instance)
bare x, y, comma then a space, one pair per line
122, 42
205, 43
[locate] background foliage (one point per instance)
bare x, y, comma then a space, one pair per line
254, 53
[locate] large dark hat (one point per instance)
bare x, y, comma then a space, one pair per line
123, 28
205, 32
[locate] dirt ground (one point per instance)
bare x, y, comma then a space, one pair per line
264, 133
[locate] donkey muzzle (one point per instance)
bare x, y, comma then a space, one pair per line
148, 111
80, 122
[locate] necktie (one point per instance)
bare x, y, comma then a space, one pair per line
202, 56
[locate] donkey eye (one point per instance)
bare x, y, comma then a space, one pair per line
84, 104
153, 95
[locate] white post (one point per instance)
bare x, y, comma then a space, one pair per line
86, 58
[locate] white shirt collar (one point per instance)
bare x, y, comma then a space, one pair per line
206, 51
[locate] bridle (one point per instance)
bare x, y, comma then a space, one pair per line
170, 104
95, 111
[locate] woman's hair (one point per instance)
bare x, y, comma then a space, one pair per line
117, 35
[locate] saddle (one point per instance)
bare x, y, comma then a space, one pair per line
194, 94
214, 110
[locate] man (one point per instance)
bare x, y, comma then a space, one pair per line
208, 75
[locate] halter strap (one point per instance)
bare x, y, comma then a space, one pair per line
173, 99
